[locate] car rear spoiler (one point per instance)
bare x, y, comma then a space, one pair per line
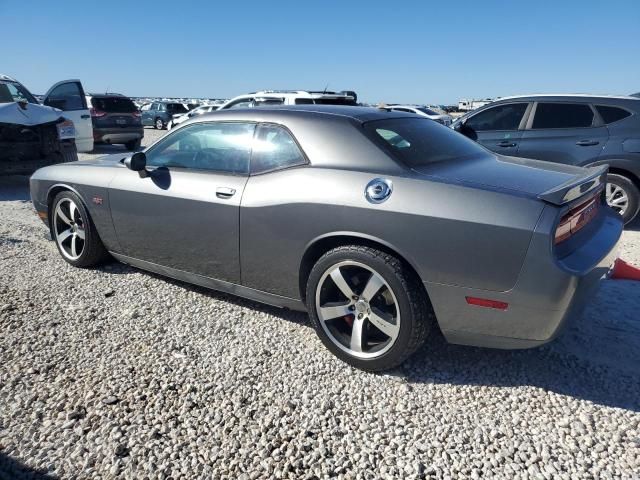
592, 179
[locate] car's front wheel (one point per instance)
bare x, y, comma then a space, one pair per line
623, 196
74, 232
367, 307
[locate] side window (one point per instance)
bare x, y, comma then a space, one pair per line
242, 103
405, 110
67, 96
220, 147
500, 117
563, 115
274, 148
304, 101
612, 114
265, 102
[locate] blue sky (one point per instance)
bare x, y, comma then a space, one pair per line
402, 51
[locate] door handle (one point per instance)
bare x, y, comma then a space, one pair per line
225, 192
587, 143
506, 144
85, 116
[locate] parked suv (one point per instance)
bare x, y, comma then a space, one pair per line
291, 97
161, 113
116, 120
583, 130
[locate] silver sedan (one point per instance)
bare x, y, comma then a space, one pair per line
382, 225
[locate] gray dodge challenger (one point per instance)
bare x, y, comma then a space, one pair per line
381, 225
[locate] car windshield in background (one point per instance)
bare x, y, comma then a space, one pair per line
326, 101
428, 111
113, 104
419, 141
14, 92
177, 108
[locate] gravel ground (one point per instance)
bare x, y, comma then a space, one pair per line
117, 373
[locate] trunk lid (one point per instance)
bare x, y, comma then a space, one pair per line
551, 182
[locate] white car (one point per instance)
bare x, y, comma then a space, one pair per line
423, 111
291, 97
174, 122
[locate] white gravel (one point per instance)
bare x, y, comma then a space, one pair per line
117, 373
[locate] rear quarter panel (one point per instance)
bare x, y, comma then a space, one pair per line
450, 234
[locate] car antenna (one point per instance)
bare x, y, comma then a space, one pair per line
325, 88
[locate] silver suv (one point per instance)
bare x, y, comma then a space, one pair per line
584, 130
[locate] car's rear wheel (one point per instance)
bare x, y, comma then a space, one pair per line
133, 144
623, 196
74, 232
367, 307
159, 124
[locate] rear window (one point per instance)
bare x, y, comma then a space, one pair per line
428, 111
612, 114
419, 141
563, 115
113, 104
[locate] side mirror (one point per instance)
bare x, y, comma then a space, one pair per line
136, 162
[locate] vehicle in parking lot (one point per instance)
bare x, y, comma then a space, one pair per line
190, 114
584, 130
423, 111
375, 222
266, 98
161, 113
31, 135
116, 120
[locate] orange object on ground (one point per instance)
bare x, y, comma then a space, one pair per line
625, 271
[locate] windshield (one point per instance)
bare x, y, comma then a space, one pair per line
176, 108
113, 104
419, 141
14, 92
428, 111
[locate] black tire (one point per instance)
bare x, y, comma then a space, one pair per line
632, 192
415, 309
133, 144
93, 251
158, 124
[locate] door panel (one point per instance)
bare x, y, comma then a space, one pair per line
69, 97
578, 146
181, 219
499, 128
563, 132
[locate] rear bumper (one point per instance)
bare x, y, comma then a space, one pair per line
549, 293
118, 135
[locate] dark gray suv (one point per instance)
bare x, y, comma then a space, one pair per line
580, 130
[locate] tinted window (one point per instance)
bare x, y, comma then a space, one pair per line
428, 111
500, 117
223, 147
244, 103
563, 115
274, 148
265, 102
68, 96
304, 101
420, 141
612, 114
113, 104
176, 108
14, 92
405, 110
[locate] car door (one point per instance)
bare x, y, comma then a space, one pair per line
499, 128
563, 132
147, 115
184, 214
69, 96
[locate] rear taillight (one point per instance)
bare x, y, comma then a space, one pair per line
577, 218
137, 114
97, 113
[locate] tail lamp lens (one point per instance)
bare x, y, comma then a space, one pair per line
577, 218
97, 113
